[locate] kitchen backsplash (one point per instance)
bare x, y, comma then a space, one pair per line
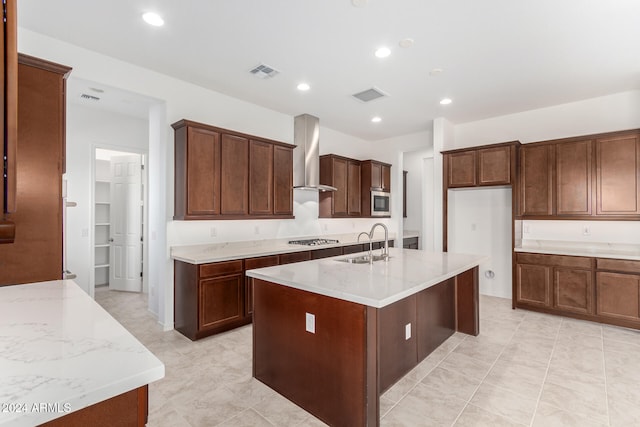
627, 232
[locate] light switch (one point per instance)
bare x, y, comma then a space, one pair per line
310, 323
407, 331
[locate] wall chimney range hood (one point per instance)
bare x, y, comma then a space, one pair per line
306, 154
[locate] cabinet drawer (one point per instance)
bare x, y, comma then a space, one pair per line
265, 261
555, 260
352, 249
625, 265
325, 253
220, 268
295, 257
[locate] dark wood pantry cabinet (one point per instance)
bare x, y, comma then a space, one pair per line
223, 174
344, 174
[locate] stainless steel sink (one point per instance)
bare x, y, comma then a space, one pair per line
361, 259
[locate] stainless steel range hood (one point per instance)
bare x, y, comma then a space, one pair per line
306, 155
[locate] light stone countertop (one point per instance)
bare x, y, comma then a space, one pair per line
407, 234
585, 249
59, 347
407, 272
214, 252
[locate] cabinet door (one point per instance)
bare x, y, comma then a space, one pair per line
533, 284
536, 180
234, 154
618, 175
203, 172
461, 169
573, 290
376, 175
494, 166
618, 295
386, 178
574, 167
220, 301
282, 180
353, 189
250, 264
260, 178
340, 196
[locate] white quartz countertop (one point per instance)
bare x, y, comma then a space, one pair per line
206, 253
59, 348
407, 272
585, 249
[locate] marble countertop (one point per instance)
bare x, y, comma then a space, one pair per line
206, 253
59, 347
407, 272
586, 249
410, 233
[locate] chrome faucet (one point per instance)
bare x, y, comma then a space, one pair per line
385, 250
370, 245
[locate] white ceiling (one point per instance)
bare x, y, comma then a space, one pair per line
498, 56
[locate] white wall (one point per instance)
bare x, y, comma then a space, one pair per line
86, 129
419, 167
624, 232
479, 222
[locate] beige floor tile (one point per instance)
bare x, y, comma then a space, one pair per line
480, 348
400, 389
450, 383
424, 407
631, 336
589, 401
472, 416
573, 341
524, 376
247, 418
585, 360
538, 349
498, 330
623, 414
422, 370
624, 390
582, 327
551, 416
465, 365
166, 416
385, 405
280, 411
504, 403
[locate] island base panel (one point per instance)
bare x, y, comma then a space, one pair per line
467, 302
325, 372
125, 410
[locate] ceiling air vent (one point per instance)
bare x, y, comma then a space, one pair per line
369, 94
89, 97
264, 71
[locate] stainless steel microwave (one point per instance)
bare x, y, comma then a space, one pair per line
380, 203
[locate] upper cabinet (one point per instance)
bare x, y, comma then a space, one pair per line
584, 177
376, 176
618, 175
222, 174
344, 174
481, 166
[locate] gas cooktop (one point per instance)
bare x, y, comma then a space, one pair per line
313, 242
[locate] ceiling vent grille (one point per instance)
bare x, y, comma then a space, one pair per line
89, 97
369, 94
264, 71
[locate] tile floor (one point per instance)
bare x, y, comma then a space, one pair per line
524, 369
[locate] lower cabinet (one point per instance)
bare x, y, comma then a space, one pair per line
599, 289
250, 264
410, 243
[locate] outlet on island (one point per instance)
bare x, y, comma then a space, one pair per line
310, 323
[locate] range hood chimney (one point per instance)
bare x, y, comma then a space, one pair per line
306, 155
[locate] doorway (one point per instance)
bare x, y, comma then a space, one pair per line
120, 200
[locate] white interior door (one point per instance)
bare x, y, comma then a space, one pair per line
125, 253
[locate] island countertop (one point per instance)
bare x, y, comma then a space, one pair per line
59, 347
376, 285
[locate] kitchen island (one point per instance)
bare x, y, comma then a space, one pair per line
332, 336
64, 361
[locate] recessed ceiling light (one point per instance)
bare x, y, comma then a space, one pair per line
383, 52
97, 90
154, 19
303, 87
405, 43
376, 119
445, 101
436, 72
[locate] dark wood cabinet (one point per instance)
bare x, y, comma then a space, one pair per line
283, 181
261, 168
573, 290
376, 176
533, 284
222, 174
234, 176
250, 264
574, 166
591, 177
536, 180
326, 252
410, 243
36, 253
618, 291
435, 320
295, 257
352, 249
9, 118
618, 174
481, 166
344, 174
397, 330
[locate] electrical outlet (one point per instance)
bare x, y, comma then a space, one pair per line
586, 230
526, 229
325, 227
213, 232
310, 325
256, 229
85, 232
407, 331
